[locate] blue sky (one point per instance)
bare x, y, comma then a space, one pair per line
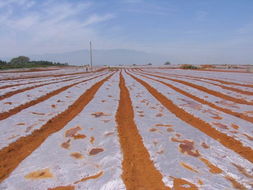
194, 31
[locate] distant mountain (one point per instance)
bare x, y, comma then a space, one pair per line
130, 57
104, 57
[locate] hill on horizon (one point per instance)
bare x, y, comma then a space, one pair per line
104, 57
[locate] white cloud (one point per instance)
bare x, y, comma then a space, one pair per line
54, 27
97, 18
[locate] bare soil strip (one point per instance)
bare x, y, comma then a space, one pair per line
232, 83
225, 87
12, 85
138, 170
216, 170
211, 79
25, 83
12, 156
209, 91
202, 101
63, 188
229, 142
17, 109
57, 75
9, 94
29, 71
208, 70
208, 82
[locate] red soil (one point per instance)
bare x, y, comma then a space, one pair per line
199, 124
138, 170
12, 155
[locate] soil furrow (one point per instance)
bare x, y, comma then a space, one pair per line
12, 156
202, 101
225, 87
211, 79
9, 94
229, 142
25, 83
220, 85
28, 71
139, 171
17, 109
56, 75
209, 91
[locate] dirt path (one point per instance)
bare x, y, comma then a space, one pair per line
211, 79
209, 91
11, 93
208, 82
57, 75
12, 156
17, 109
201, 70
202, 101
138, 170
222, 86
229, 142
38, 81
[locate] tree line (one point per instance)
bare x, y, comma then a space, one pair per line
25, 62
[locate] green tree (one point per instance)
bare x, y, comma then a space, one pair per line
188, 66
167, 63
3, 62
21, 60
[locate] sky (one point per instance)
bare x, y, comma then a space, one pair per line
186, 31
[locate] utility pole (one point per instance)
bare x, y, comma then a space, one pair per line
91, 56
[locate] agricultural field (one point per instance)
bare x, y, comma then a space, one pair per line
126, 128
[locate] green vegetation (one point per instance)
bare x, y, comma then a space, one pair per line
167, 63
3, 62
21, 60
187, 66
24, 62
